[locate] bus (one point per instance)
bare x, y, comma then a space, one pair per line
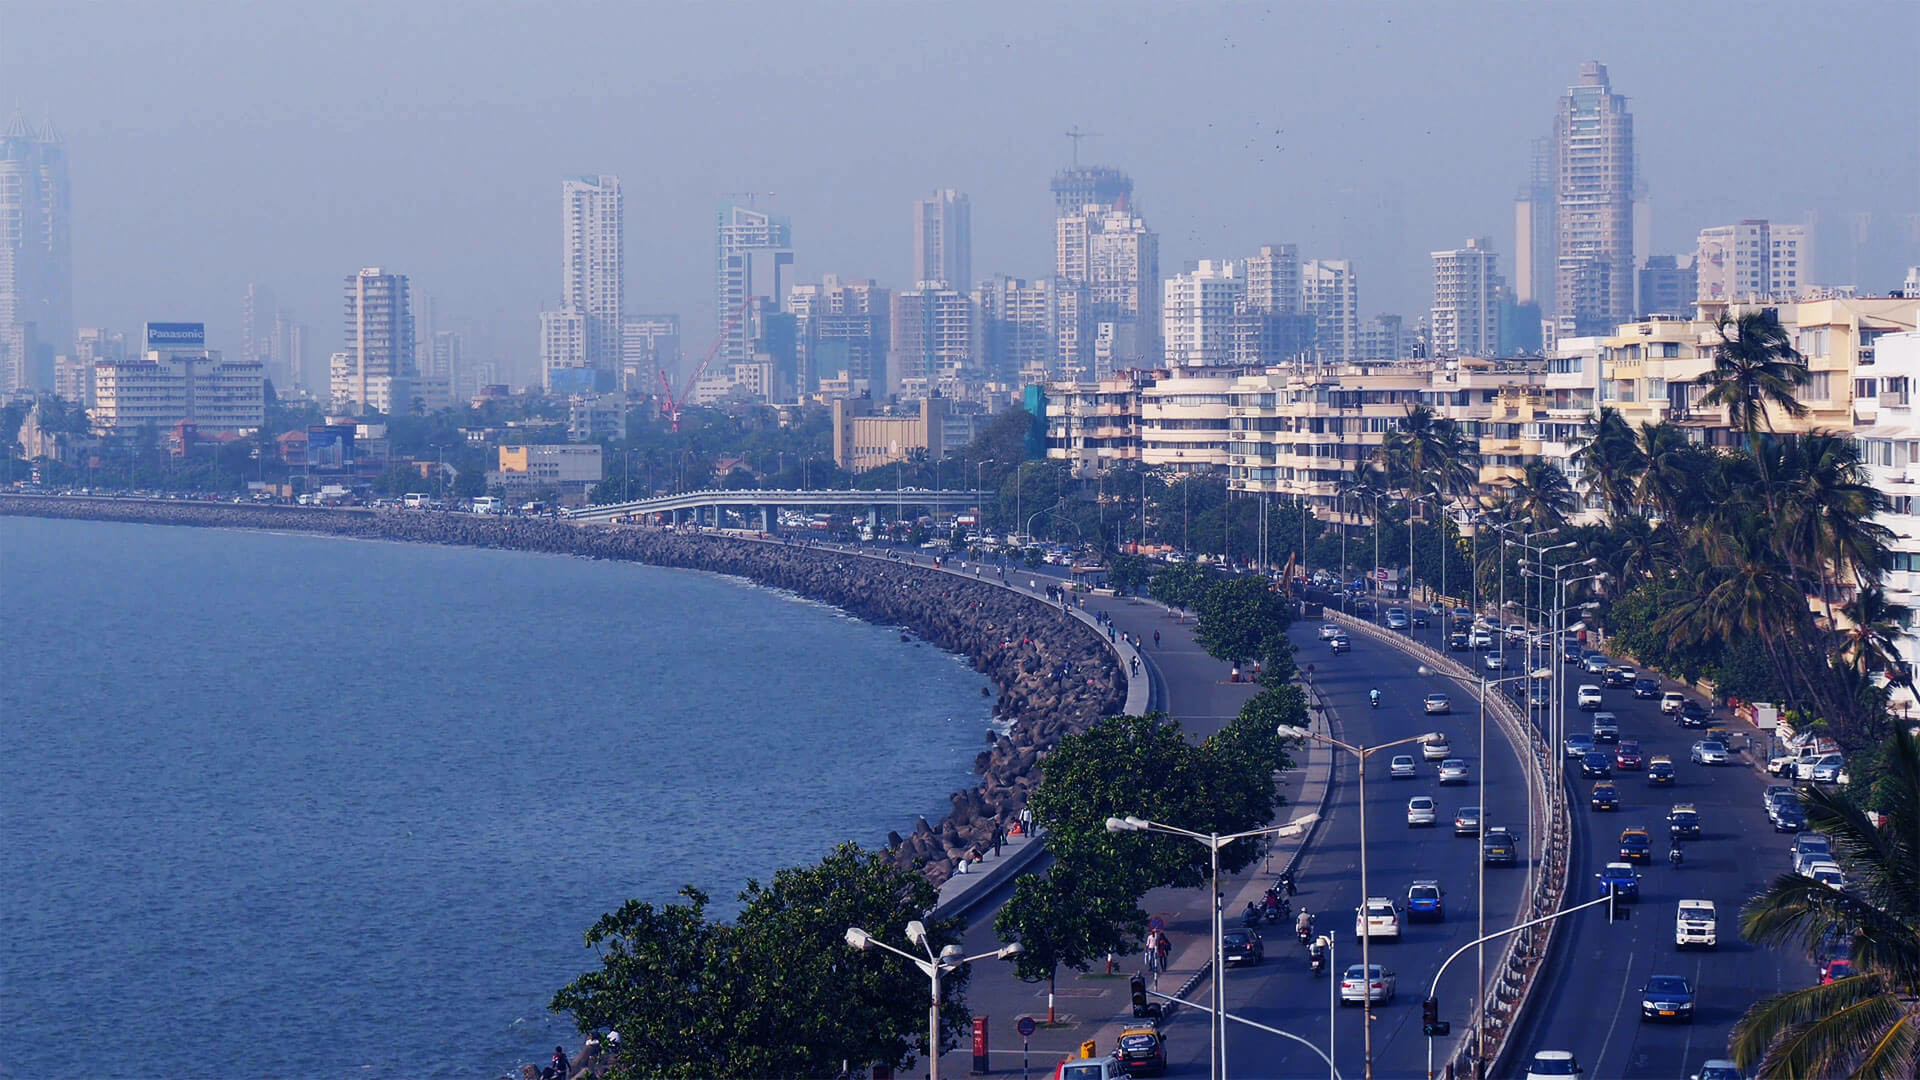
487, 504
415, 500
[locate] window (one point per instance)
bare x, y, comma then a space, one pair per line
1866, 388
1670, 350
1819, 387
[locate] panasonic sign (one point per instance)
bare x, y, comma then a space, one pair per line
176, 335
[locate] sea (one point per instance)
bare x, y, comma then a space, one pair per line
292, 806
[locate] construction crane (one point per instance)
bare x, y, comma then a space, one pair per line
700, 369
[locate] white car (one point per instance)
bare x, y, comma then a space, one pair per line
1709, 752
1552, 1065
1587, 697
1696, 923
1329, 631
1825, 768
1375, 985
1421, 811
1828, 873
1378, 919
1671, 701
1402, 767
1437, 705
1436, 748
1496, 661
1480, 639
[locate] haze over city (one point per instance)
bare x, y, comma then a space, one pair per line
241, 143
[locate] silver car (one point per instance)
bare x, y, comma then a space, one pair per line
1420, 811
1356, 987
1402, 767
1453, 771
1709, 752
1466, 821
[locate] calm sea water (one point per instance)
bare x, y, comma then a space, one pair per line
321, 808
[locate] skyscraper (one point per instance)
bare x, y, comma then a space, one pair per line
1107, 288
1273, 280
1465, 318
741, 236
1593, 208
1198, 311
36, 255
376, 369
1533, 232
1082, 186
943, 240
1330, 292
842, 330
932, 339
593, 277
1016, 327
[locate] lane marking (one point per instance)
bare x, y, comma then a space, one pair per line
1626, 980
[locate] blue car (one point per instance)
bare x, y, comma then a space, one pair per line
1423, 901
1624, 879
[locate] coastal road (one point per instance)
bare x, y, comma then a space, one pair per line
1282, 992
1590, 995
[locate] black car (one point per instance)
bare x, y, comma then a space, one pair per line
1667, 997
1497, 847
1617, 678
1571, 652
1339, 644
1790, 817
1242, 946
1694, 715
1684, 823
1596, 764
1645, 687
1419, 619
1457, 641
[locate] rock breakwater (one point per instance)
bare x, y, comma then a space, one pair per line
1054, 674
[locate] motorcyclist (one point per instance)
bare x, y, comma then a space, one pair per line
1304, 924
1286, 883
1251, 915
1673, 855
1374, 696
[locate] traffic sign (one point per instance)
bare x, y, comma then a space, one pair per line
1026, 1027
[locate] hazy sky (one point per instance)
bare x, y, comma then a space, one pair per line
217, 143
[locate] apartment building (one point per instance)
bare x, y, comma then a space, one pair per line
1890, 448
1198, 313
1755, 260
1330, 292
178, 380
1465, 318
1184, 420
933, 336
1096, 426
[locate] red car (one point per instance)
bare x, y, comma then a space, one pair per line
1627, 756
1838, 968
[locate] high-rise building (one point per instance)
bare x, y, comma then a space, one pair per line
1016, 327
743, 235
178, 381
582, 341
1107, 270
1593, 218
1754, 260
1330, 292
36, 255
1273, 279
257, 311
1667, 285
1533, 232
943, 240
375, 372
1465, 319
1197, 314
933, 339
1383, 340
1081, 186
843, 330
650, 347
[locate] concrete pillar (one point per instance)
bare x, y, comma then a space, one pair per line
766, 519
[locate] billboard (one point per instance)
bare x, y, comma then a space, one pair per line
330, 446
176, 335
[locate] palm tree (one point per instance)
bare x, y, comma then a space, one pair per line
1826, 507
1669, 471
1612, 460
1866, 1024
1868, 642
1754, 366
1541, 495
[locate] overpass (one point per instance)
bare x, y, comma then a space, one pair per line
698, 505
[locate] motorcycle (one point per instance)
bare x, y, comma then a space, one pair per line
1286, 883
1373, 698
1674, 856
1250, 918
1304, 928
1271, 911
1317, 958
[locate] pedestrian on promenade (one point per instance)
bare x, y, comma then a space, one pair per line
999, 838
1026, 821
1162, 947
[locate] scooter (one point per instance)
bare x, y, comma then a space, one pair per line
1674, 856
1304, 928
1373, 698
1271, 909
1317, 959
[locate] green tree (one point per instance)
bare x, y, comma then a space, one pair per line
1866, 1024
1180, 585
1239, 618
1756, 371
775, 993
1612, 460
1074, 915
1128, 573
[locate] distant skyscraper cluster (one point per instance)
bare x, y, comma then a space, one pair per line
36, 255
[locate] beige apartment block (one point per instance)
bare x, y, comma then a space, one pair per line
1096, 426
1183, 420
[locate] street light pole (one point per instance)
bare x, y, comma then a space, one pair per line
1360, 753
1217, 1028
949, 959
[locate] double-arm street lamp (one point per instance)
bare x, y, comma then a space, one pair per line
948, 959
1217, 1027
1360, 753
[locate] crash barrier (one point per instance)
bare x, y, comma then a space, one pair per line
1522, 952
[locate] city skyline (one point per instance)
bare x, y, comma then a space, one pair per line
481, 243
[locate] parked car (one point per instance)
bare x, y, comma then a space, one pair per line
1437, 705
1791, 817
1812, 844
1466, 821
1435, 748
1671, 701
1828, 874
1402, 767
1824, 770
1667, 997
1587, 697
1374, 985
1421, 811
1708, 752
1718, 1069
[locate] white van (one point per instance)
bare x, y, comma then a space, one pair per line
415, 500
487, 504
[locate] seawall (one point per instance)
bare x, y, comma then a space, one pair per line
1054, 674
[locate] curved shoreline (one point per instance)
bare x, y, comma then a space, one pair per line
1055, 675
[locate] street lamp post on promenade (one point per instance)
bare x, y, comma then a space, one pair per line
1217, 1028
1360, 753
949, 959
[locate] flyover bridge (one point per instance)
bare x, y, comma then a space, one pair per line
704, 507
